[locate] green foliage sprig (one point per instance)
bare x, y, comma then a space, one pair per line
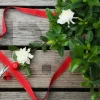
82, 38
33, 46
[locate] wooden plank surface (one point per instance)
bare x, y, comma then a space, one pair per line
22, 27
52, 96
27, 2
42, 68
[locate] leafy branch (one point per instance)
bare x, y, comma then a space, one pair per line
82, 38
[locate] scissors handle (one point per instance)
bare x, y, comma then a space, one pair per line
6, 62
3, 71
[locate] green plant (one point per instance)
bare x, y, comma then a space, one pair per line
82, 38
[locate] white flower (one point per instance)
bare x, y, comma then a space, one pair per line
66, 16
23, 56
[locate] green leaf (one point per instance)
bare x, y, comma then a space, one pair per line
85, 84
74, 0
80, 19
58, 7
94, 59
80, 12
14, 57
57, 28
96, 82
50, 15
54, 46
61, 51
35, 45
89, 18
95, 51
75, 64
88, 13
94, 96
78, 50
98, 49
73, 5
62, 37
71, 44
51, 42
65, 43
21, 67
97, 31
81, 23
93, 2
79, 40
59, 3
44, 47
96, 25
89, 37
80, 29
27, 70
84, 68
52, 34
97, 40
84, 0
94, 71
43, 38
12, 48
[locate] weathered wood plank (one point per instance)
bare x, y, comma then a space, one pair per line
22, 27
42, 68
27, 2
52, 96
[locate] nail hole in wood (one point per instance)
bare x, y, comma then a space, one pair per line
46, 69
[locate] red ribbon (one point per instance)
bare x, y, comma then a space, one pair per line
13, 66
34, 12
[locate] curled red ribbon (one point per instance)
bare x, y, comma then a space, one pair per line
34, 12
13, 66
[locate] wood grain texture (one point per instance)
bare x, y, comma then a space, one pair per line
42, 68
22, 28
52, 96
27, 2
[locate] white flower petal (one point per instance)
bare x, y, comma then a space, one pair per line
30, 56
20, 60
66, 17
29, 49
21, 49
16, 52
75, 17
60, 21
72, 22
23, 56
24, 49
28, 61
68, 26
